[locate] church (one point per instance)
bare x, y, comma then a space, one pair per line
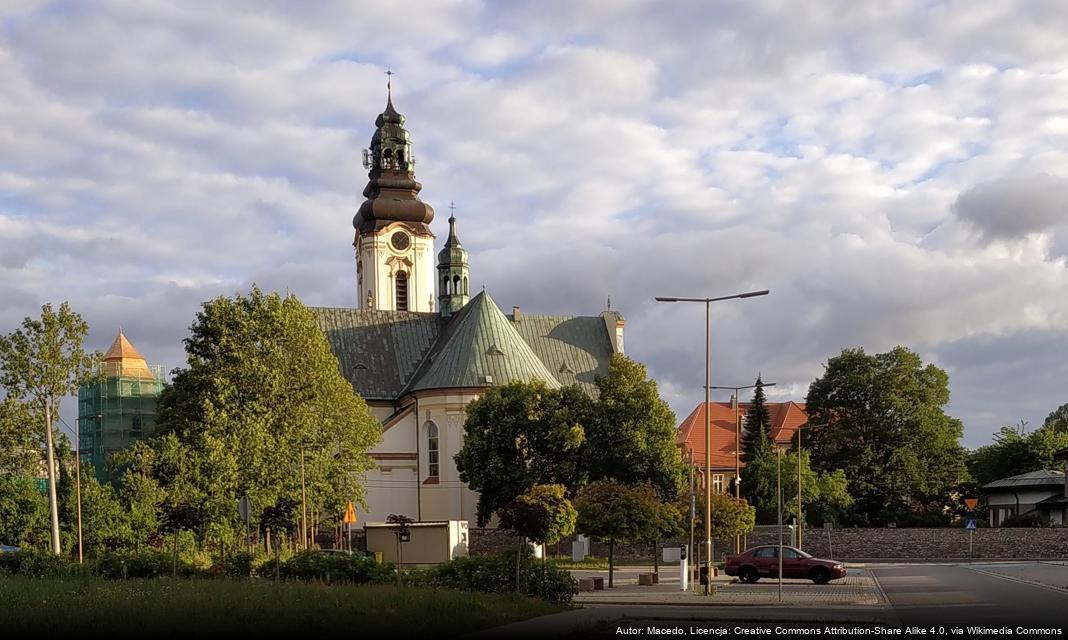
419, 347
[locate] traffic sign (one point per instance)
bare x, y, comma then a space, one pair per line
350, 514
969, 525
971, 502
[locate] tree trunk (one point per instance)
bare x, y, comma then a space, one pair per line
176, 531
656, 560
53, 504
611, 560
518, 558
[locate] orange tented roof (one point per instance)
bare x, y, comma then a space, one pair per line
122, 359
786, 419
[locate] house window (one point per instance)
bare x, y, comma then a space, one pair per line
432, 468
402, 291
717, 483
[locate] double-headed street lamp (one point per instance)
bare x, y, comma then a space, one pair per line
738, 444
708, 428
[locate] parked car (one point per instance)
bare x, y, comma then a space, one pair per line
8, 549
763, 562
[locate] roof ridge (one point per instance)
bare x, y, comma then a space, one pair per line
465, 358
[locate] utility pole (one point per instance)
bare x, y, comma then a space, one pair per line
799, 518
303, 504
778, 492
78, 481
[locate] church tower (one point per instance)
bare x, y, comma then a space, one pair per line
452, 272
394, 245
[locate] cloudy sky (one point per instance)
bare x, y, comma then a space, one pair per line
895, 172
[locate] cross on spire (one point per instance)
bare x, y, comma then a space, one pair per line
452, 209
389, 82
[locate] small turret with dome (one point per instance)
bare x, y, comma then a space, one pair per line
452, 271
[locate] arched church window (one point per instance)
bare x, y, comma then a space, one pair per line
402, 291
432, 467
400, 157
456, 284
445, 285
465, 287
387, 157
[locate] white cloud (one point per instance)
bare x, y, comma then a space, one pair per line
856, 158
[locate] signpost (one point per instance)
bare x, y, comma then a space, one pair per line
970, 526
349, 520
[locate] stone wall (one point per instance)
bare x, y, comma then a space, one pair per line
847, 544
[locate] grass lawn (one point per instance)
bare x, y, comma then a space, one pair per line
182, 607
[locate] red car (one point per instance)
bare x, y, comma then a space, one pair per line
763, 562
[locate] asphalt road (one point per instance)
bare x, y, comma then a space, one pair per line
960, 595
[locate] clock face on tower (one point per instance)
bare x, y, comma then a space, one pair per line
400, 241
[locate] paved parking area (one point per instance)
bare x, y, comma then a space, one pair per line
858, 588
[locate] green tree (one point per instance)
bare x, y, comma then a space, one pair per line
824, 495
542, 515
1057, 420
105, 520
41, 363
23, 511
520, 435
632, 435
730, 516
1015, 451
261, 386
21, 435
757, 422
615, 512
881, 419
670, 523
758, 477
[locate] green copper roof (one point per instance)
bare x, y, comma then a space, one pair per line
378, 351
480, 348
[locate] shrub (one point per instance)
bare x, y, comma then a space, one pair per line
233, 565
336, 567
496, 574
146, 563
36, 564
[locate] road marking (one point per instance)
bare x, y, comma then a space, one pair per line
1039, 585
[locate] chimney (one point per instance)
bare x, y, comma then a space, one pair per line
515, 314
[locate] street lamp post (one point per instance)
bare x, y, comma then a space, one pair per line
708, 428
738, 445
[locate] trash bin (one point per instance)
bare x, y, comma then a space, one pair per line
703, 579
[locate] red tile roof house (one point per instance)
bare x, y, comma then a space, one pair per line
786, 419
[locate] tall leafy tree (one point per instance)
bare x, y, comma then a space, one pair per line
881, 419
730, 516
23, 511
1015, 451
261, 389
757, 422
632, 435
758, 477
1057, 420
520, 435
615, 512
21, 433
41, 363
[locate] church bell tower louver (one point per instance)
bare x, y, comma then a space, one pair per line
394, 244
453, 289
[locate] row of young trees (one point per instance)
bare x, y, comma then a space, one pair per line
260, 396
612, 459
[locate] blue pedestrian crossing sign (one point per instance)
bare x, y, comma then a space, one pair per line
969, 525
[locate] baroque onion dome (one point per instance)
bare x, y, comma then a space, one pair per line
392, 192
452, 273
